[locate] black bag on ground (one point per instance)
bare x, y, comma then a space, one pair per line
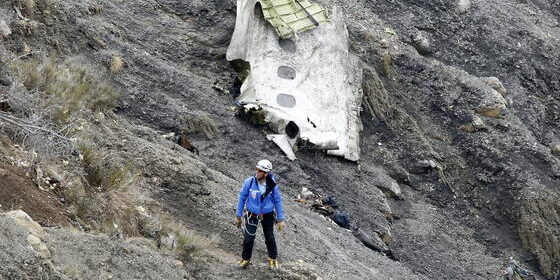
341, 219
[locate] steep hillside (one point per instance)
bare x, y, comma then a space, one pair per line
461, 109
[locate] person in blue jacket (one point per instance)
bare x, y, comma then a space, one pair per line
260, 195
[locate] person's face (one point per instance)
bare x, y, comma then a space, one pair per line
259, 174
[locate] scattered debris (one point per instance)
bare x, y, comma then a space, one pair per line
514, 271
341, 219
220, 89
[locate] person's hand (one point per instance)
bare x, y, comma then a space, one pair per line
280, 225
237, 222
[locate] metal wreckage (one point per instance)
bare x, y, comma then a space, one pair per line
299, 76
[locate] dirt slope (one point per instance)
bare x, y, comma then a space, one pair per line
491, 147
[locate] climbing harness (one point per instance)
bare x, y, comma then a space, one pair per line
270, 184
248, 217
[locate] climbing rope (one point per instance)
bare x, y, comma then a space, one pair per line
248, 222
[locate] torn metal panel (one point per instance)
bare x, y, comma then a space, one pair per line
282, 141
290, 17
309, 89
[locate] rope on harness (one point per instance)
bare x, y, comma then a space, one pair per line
248, 222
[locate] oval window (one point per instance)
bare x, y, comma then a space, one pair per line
286, 100
286, 72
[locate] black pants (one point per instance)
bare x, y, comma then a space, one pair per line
250, 232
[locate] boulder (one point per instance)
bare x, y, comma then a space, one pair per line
477, 124
495, 84
4, 81
491, 104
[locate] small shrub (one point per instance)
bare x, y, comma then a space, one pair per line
95, 9
106, 200
117, 64
387, 65
103, 174
200, 123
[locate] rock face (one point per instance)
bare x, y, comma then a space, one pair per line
60, 254
539, 227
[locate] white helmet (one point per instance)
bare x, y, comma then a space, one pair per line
264, 165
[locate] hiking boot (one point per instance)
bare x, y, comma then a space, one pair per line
244, 263
272, 263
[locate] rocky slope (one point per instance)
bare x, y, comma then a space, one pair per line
461, 110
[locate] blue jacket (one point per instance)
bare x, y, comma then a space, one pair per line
256, 204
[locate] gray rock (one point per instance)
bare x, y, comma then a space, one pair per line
477, 123
491, 104
4, 81
462, 6
4, 29
391, 187
421, 43
372, 241
427, 163
384, 43
60, 254
555, 149
497, 85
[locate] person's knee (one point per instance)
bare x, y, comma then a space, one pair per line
269, 236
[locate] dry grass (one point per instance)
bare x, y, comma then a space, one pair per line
25, 27
200, 123
103, 173
29, 8
368, 36
184, 243
70, 88
106, 199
